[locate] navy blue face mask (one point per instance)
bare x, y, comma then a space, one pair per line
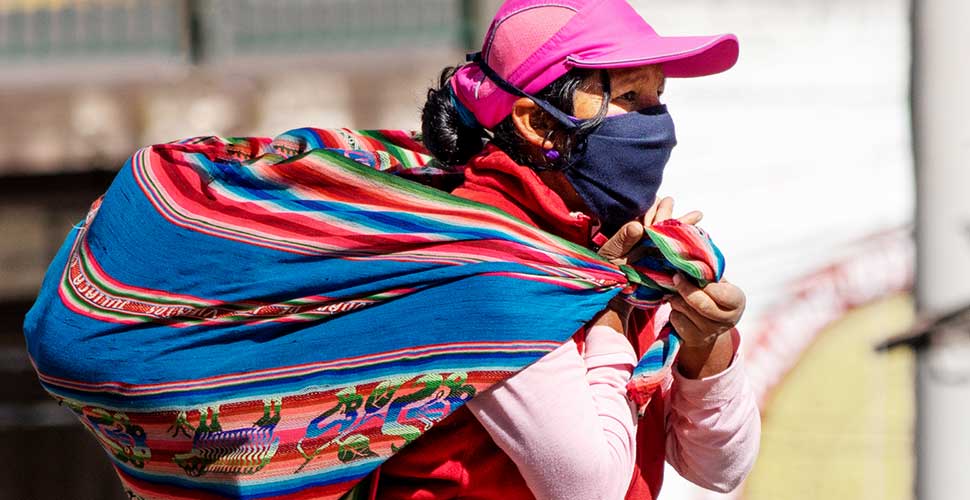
618, 167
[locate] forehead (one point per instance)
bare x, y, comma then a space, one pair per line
639, 75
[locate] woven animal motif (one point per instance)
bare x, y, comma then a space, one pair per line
403, 408
235, 451
123, 440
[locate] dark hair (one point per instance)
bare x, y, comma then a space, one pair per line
453, 142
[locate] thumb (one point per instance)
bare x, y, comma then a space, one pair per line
622, 242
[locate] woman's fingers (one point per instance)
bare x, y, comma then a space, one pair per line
726, 295
699, 300
687, 330
617, 247
703, 324
665, 210
682, 324
651, 214
692, 217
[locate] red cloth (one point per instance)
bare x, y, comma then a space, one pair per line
457, 458
494, 179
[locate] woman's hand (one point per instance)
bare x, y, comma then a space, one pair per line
663, 209
701, 317
621, 248
618, 248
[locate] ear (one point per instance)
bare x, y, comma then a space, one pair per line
524, 113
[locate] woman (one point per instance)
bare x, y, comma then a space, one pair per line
559, 122
275, 318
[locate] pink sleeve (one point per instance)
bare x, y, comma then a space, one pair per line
565, 420
714, 427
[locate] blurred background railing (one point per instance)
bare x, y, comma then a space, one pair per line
246, 27
91, 80
44, 32
72, 39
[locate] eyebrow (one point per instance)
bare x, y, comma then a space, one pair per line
628, 78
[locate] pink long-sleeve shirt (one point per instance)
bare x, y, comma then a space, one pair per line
567, 424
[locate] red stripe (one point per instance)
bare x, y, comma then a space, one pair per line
295, 370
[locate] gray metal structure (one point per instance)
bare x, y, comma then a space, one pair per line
941, 107
107, 41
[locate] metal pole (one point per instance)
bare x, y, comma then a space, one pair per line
194, 33
469, 21
941, 136
475, 15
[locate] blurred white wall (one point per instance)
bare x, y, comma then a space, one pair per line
797, 156
804, 146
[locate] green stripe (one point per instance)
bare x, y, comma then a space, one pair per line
437, 195
83, 258
674, 257
79, 302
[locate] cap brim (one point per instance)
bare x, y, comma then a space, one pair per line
681, 56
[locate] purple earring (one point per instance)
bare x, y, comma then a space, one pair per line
552, 154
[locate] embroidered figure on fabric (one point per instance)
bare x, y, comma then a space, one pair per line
344, 415
404, 408
125, 441
181, 426
425, 407
237, 451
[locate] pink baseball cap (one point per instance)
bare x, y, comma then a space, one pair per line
531, 43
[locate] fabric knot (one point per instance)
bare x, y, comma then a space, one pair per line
668, 248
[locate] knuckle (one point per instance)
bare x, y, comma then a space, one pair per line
677, 318
632, 233
697, 299
707, 308
708, 325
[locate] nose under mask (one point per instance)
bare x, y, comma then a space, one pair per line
618, 167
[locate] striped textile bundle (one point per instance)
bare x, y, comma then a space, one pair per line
654, 369
257, 318
668, 248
